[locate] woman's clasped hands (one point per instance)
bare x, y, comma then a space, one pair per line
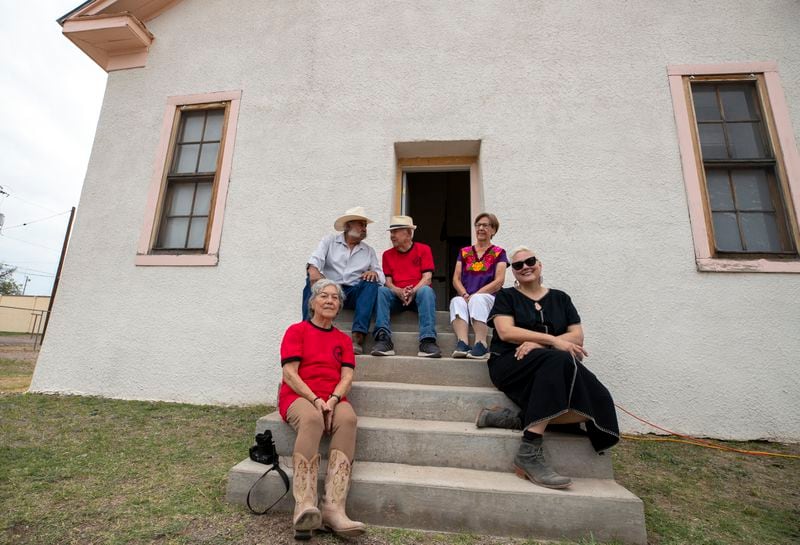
326, 410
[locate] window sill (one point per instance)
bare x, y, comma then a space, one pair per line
177, 260
747, 265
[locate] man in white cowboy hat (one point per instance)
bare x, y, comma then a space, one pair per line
352, 264
408, 266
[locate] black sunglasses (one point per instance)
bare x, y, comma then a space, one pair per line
530, 262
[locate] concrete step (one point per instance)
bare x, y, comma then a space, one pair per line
411, 369
402, 321
463, 500
451, 444
424, 402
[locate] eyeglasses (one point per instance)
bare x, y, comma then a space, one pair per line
530, 262
484, 225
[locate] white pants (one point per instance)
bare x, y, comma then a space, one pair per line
477, 308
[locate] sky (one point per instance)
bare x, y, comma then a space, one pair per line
51, 96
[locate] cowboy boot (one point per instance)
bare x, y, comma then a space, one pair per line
358, 343
337, 484
529, 463
306, 515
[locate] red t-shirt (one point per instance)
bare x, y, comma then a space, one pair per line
321, 352
406, 268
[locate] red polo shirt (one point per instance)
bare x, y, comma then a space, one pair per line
406, 268
321, 352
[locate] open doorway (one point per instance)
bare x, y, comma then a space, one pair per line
439, 202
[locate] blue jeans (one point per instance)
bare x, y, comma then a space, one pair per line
360, 297
424, 304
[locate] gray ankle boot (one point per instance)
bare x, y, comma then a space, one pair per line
529, 464
496, 417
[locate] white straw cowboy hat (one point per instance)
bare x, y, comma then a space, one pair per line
401, 222
356, 213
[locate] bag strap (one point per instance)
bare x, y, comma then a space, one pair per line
284, 478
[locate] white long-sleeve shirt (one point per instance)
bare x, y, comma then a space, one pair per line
336, 262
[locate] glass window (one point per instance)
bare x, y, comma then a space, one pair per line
189, 192
744, 195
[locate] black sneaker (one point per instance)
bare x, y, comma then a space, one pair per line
429, 349
383, 345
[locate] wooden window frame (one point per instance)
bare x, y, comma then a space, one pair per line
780, 136
146, 254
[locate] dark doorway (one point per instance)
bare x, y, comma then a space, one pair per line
439, 202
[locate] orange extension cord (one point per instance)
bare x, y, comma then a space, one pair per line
689, 440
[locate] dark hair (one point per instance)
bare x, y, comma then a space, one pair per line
493, 221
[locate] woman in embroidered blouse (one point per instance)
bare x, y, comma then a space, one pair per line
480, 271
318, 362
537, 355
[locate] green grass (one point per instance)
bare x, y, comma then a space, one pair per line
15, 375
88, 470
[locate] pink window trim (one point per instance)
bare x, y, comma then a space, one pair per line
154, 193
704, 253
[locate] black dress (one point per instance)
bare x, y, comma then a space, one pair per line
547, 382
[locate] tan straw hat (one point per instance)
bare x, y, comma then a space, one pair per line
356, 213
401, 222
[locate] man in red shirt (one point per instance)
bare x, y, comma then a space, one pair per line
408, 267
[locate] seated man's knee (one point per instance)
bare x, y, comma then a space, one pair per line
425, 292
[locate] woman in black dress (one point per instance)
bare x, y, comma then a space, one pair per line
537, 350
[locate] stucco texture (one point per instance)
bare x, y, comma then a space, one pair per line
579, 159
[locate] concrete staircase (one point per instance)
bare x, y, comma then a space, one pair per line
421, 463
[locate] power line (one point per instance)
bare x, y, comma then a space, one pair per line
35, 221
34, 204
28, 242
30, 271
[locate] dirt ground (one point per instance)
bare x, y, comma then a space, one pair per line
17, 360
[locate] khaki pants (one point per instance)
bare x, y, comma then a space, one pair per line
307, 422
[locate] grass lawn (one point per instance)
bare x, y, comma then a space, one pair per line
87, 470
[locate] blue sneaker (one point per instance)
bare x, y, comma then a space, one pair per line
461, 350
478, 352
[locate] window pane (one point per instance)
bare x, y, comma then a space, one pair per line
752, 190
746, 141
705, 103
719, 189
726, 232
174, 233
186, 158
712, 141
208, 158
738, 102
214, 125
202, 201
192, 126
181, 199
760, 232
197, 233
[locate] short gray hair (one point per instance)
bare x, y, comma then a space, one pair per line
517, 250
317, 288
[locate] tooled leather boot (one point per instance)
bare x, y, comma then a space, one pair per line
530, 464
337, 484
304, 487
358, 343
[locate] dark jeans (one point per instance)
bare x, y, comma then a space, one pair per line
360, 297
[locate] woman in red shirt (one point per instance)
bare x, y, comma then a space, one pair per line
318, 363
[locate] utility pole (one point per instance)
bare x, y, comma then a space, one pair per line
58, 272
27, 279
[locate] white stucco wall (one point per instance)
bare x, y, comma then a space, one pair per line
579, 159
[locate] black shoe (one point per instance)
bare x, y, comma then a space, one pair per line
429, 349
529, 463
498, 417
383, 345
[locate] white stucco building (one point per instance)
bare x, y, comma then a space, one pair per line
647, 151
